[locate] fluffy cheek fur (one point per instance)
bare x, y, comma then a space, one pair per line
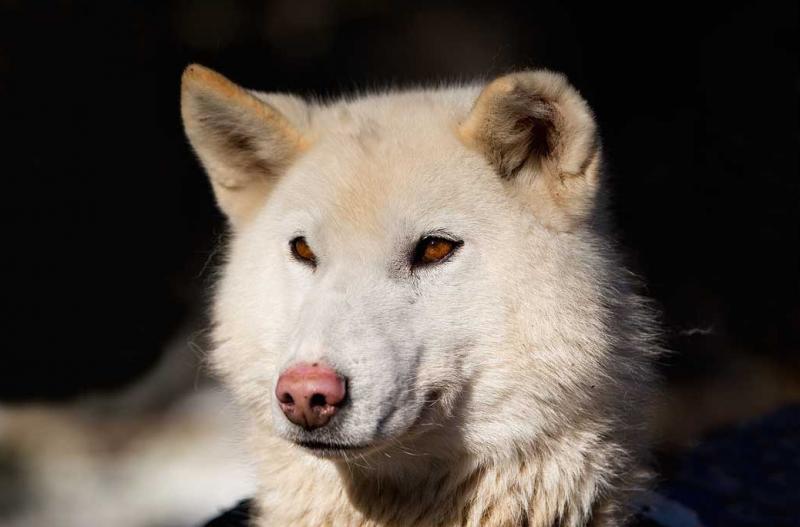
249, 325
534, 361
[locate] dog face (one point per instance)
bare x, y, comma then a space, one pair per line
422, 252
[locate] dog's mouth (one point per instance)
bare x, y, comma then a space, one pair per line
333, 450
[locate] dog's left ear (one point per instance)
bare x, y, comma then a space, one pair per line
540, 136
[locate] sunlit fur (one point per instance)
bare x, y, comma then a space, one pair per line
506, 385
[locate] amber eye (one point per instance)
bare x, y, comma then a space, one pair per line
433, 249
302, 251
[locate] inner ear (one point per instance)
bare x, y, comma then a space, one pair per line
533, 128
232, 136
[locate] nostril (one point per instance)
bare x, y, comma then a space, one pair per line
318, 400
286, 398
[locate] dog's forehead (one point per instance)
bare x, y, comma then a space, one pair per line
376, 159
405, 125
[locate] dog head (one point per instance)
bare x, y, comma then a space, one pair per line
404, 260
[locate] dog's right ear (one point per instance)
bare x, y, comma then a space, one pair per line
243, 142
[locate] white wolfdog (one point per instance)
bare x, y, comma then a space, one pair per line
422, 309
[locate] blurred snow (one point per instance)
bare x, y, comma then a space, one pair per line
163, 453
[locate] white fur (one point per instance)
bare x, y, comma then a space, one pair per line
504, 386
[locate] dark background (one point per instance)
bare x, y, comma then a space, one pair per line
112, 224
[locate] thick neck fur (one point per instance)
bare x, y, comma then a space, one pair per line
574, 481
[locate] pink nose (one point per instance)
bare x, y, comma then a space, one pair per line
309, 394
